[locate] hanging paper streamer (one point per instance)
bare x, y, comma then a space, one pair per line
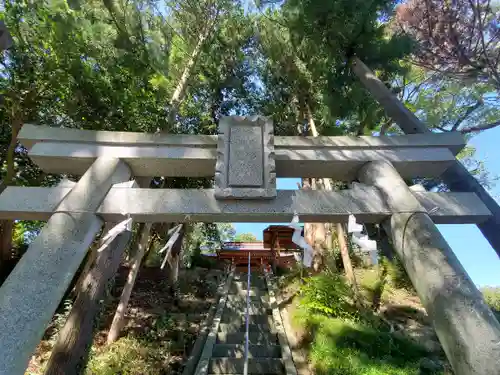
301, 241
115, 231
362, 240
352, 226
417, 188
168, 246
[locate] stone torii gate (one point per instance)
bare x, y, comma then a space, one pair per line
245, 158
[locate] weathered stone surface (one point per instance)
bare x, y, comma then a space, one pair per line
245, 166
286, 353
73, 151
246, 151
32, 292
31, 134
465, 326
143, 160
203, 364
453, 141
178, 161
238, 351
164, 205
343, 165
256, 366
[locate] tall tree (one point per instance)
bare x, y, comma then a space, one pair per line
192, 32
459, 39
445, 104
308, 88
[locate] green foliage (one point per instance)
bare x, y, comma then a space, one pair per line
245, 237
492, 297
397, 274
374, 282
207, 238
324, 42
445, 105
198, 260
328, 294
114, 65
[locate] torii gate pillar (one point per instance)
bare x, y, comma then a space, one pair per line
465, 326
34, 289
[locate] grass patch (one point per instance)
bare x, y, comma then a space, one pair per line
343, 347
128, 356
345, 340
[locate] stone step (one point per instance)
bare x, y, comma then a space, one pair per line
258, 283
241, 308
255, 338
255, 366
244, 276
230, 316
254, 292
238, 351
240, 327
264, 298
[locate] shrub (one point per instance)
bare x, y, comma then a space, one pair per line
327, 294
492, 297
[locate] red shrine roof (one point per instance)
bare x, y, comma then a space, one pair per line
239, 246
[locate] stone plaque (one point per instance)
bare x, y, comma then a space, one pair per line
245, 156
245, 166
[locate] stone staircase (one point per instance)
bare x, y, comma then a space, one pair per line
224, 351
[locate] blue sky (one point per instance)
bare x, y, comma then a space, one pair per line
471, 248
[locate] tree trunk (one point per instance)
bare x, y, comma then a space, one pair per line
310, 120
346, 259
173, 262
91, 258
180, 90
119, 318
6, 226
70, 353
89, 261
318, 230
330, 261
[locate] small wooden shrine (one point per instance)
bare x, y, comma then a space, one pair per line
277, 249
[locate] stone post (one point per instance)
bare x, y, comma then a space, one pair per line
32, 292
464, 324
